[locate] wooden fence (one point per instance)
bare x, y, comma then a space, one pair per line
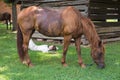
105, 12
81, 5
106, 16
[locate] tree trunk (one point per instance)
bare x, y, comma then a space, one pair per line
14, 16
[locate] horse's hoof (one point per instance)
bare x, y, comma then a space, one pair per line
27, 64
83, 65
30, 65
24, 62
65, 65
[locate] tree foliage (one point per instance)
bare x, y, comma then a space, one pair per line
8, 1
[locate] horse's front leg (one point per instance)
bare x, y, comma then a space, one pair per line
65, 48
77, 44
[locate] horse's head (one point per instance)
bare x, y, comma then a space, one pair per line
98, 55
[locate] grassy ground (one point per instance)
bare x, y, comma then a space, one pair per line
48, 66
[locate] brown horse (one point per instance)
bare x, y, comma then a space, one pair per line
6, 17
66, 22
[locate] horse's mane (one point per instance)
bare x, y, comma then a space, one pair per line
89, 30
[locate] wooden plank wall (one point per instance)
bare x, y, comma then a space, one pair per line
103, 10
81, 5
106, 15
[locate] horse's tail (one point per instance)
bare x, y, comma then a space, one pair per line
20, 43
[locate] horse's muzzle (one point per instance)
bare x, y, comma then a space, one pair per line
101, 66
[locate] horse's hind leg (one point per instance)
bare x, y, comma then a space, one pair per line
66, 44
26, 38
10, 24
77, 44
6, 22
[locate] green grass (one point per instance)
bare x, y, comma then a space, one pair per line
48, 66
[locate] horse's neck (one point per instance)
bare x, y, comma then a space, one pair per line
90, 33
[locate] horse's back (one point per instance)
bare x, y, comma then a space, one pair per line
50, 22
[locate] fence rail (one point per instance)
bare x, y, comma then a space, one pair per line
103, 10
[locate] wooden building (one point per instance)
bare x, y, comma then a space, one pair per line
104, 13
